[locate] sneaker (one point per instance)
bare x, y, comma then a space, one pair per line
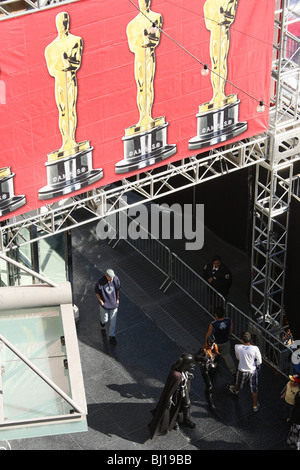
112, 340
256, 408
232, 389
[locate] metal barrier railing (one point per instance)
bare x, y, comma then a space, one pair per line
194, 285
152, 249
270, 342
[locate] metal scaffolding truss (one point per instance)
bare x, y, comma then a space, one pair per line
10, 8
58, 217
275, 179
285, 102
270, 232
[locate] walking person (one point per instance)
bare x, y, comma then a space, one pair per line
250, 360
221, 329
294, 433
107, 291
208, 358
173, 408
289, 393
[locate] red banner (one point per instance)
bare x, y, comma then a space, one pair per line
92, 92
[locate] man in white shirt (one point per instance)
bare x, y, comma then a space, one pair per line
250, 360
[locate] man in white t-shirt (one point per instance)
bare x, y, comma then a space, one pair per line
250, 360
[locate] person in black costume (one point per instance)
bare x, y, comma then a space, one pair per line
208, 358
218, 276
173, 408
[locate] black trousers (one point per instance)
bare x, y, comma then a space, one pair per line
208, 375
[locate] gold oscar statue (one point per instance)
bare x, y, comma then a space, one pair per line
219, 16
8, 201
63, 58
145, 143
217, 120
70, 167
143, 34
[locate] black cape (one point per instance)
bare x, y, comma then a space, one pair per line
165, 414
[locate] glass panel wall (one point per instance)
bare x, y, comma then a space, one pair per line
50, 256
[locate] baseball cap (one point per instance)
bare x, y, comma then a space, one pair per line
110, 273
295, 378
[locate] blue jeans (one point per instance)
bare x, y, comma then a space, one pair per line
109, 315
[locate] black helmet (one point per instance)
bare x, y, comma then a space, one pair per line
185, 362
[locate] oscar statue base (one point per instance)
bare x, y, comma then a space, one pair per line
69, 174
8, 201
11, 205
144, 149
217, 125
